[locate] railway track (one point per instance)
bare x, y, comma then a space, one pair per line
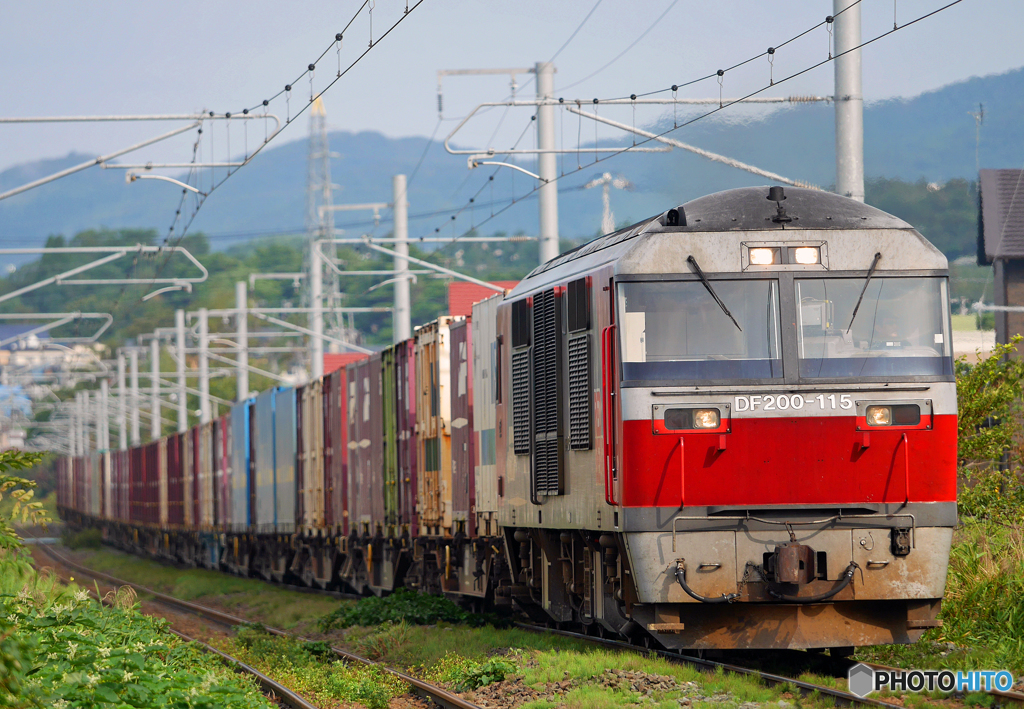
438, 695
452, 701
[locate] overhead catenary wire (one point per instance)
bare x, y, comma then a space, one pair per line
716, 109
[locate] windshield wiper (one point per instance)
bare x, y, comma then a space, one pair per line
704, 279
871, 272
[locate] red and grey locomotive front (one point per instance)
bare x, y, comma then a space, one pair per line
774, 429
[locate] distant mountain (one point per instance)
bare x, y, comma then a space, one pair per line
930, 137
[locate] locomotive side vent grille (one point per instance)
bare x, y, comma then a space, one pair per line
579, 393
547, 386
521, 402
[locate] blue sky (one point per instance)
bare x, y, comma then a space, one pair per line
59, 57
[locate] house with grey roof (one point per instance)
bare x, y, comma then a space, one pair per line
1001, 245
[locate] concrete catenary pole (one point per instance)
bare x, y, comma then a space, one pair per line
179, 341
316, 313
849, 100
122, 403
133, 398
403, 316
204, 367
242, 323
156, 426
547, 163
104, 422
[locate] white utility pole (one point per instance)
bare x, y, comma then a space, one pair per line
155, 428
849, 100
204, 366
133, 399
242, 323
547, 163
122, 404
402, 316
316, 313
179, 341
104, 427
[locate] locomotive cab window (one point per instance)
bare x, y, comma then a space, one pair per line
674, 330
899, 328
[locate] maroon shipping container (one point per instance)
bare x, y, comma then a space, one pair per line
151, 451
366, 448
195, 452
222, 468
335, 452
463, 470
175, 482
376, 487
137, 485
405, 414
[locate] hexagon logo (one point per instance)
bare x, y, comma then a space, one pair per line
861, 680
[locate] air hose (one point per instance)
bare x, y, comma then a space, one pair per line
681, 578
844, 581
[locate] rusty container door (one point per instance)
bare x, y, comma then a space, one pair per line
433, 418
162, 473
390, 422
187, 474
405, 373
335, 452
461, 388
311, 457
105, 507
376, 477
175, 487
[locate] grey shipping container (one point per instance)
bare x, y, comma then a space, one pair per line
265, 510
285, 449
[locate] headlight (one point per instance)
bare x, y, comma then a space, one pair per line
878, 416
762, 257
705, 418
805, 255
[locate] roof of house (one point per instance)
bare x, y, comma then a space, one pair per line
338, 361
462, 295
1001, 217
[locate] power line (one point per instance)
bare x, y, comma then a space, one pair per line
575, 32
722, 106
624, 51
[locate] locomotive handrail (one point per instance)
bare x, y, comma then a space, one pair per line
682, 472
608, 410
906, 466
825, 520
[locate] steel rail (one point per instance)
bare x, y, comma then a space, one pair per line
268, 685
842, 698
439, 696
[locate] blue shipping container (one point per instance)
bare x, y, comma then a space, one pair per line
241, 463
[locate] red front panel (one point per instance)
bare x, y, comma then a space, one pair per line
789, 461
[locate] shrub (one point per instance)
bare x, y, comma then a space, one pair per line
402, 605
90, 538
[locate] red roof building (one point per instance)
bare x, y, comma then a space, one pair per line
337, 361
462, 295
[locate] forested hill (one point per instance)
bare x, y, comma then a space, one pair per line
930, 137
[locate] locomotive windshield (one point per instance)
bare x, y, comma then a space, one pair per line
899, 329
674, 330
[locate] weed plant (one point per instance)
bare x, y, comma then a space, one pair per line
60, 649
404, 605
311, 669
90, 538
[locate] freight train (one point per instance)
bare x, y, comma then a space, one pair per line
732, 425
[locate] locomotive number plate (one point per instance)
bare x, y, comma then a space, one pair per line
794, 402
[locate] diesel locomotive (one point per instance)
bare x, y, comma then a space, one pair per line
732, 425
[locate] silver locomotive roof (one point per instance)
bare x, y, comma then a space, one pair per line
747, 209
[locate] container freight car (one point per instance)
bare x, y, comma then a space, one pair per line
632, 442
